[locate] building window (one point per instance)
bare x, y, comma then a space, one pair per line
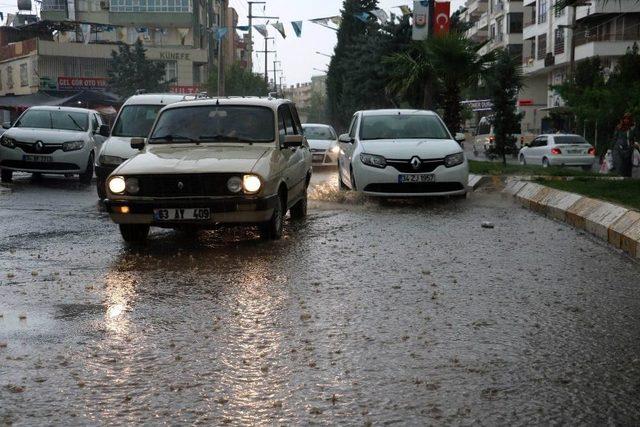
542, 11
558, 12
24, 75
150, 6
492, 32
499, 30
9, 77
558, 41
514, 23
171, 71
53, 5
542, 46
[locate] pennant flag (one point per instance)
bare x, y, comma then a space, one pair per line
1, 16
424, 3
262, 29
441, 12
381, 15
278, 26
337, 20
363, 16
297, 27
320, 21
243, 27
221, 32
406, 10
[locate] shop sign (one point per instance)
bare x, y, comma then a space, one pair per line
185, 89
96, 83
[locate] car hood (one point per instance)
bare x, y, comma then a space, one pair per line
191, 158
118, 146
407, 148
320, 144
47, 136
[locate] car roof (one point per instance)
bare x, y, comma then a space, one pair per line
272, 103
320, 125
397, 111
67, 109
157, 98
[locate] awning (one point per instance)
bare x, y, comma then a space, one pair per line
26, 101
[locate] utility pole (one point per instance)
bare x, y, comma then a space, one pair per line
275, 70
251, 17
266, 52
223, 18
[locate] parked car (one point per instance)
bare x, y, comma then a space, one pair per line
53, 140
484, 140
323, 142
401, 153
134, 120
213, 162
559, 150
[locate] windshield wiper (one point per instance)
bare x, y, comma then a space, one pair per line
173, 137
226, 138
75, 123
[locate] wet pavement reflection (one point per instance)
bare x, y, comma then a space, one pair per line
367, 312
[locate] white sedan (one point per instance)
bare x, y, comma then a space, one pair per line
323, 143
558, 150
401, 153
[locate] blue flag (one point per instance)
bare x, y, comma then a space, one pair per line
297, 27
363, 16
221, 32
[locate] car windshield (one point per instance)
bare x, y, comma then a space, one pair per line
54, 119
569, 139
215, 123
318, 132
136, 120
402, 126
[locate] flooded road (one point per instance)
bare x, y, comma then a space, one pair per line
365, 313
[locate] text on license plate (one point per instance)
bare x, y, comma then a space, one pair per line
416, 177
179, 214
41, 159
575, 151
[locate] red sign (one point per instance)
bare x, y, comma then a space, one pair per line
96, 83
188, 90
441, 22
523, 102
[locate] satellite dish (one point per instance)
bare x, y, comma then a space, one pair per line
24, 4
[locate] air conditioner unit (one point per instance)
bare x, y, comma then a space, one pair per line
104, 4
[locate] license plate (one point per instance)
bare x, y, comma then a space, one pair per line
575, 151
190, 214
39, 159
318, 157
416, 177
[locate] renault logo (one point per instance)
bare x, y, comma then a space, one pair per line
180, 185
39, 146
416, 163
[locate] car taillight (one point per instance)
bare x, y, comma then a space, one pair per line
491, 139
592, 151
556, 151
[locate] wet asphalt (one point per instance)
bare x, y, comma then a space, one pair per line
366, 313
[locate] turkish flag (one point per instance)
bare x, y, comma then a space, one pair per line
441, 17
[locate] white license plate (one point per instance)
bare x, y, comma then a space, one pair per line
39, 159
189, 214
416, 177
318, 157
575, 152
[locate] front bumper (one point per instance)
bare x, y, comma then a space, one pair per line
224, 210
324, 158
62, 162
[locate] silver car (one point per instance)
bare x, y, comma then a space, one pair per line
558, 150
323, 142
53, 140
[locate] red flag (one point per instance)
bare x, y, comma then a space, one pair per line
441, 14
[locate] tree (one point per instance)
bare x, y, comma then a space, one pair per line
504, 81
238, 81
130, 71
316, 112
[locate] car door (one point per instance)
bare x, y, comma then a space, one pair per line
293, 156
347, 149
96, 122
541, 149
304, 163
529, 151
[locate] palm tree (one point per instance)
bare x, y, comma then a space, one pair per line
443, 65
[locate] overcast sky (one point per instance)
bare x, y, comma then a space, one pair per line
298, 55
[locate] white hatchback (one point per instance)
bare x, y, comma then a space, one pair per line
559, 150
323, 143
401, 153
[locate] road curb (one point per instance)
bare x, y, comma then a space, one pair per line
612, 223
476, 180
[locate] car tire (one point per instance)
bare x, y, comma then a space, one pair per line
352, 179
341, 183
523, 161
272, 229
299, 210
101, 188
87, 175
134, 233
6, 175
545, 162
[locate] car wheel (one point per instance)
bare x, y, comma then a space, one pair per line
6, 175
341, 183
545, 162
299, 210
101, 188
352, 179
134, 233
87, 175
523, 161
272, 229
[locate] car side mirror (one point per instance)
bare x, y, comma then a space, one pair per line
138, 143
293, 141
459, 137
345, 138
6, 125
104, 130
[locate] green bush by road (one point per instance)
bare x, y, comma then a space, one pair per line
623, 192
496, 168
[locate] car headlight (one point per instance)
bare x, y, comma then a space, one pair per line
251, 184
110, 160
234, 185
7, 142
373, 160
117, 185
72, 145
335, 149
454, 159
131, 185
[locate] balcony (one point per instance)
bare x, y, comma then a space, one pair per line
478, 7
603, 48
483, 22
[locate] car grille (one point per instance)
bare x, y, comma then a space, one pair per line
423, 187
188, 185
426, 165
30, 147
52, 166
317, 150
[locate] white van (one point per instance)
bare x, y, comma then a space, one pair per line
134, 120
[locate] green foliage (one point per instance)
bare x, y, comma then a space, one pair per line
623, 192
316, 112
238, 81
130, 70
504, 80
494, 168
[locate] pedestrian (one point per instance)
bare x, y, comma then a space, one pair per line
624, 142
